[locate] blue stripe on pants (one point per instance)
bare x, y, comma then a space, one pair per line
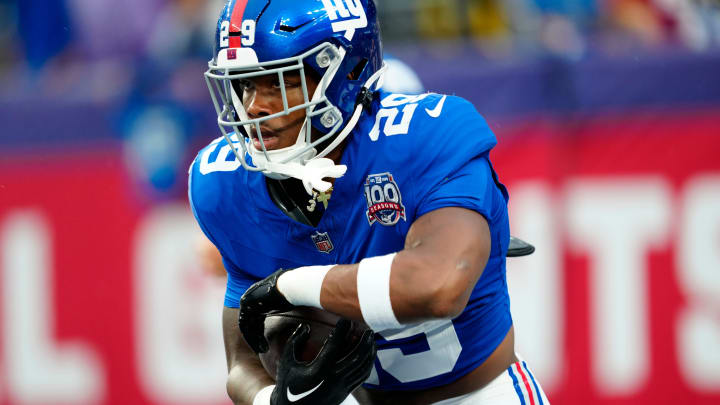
516, 385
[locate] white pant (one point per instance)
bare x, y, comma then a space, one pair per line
516, 386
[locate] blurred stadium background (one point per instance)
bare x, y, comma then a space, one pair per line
608, 117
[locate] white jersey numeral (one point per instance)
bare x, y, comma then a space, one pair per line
224, 160
391, 126
441, 358
390, 112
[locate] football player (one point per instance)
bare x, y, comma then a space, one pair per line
325, 191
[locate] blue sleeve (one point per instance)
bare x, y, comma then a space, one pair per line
453, 166
205, 210
196, 213
236, 285
471, 187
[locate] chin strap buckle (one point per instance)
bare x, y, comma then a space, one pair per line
365, 98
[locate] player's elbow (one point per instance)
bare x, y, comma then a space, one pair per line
434, 292
448, 301
443, 309
239, 387
233, 384
456, 280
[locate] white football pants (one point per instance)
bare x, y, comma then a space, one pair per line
516, 386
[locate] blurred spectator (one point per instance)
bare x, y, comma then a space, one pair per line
562, 27
579, 11
637, 20
112, 29
100, 50
157, 122
560, 36
8, 51
176, 49
709, 13
182, 29
487, 18
439, 19
44, 30
687, 22
155, 143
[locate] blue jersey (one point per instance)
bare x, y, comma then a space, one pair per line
412, 155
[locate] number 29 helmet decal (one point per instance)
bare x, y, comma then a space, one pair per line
335, 41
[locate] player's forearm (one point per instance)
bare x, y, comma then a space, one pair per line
339, 292
418, 291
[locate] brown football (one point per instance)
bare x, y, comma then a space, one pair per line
279, 327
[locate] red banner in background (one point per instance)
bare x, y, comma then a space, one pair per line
101, 300
619, 304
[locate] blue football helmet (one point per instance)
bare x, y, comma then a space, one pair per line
338, 40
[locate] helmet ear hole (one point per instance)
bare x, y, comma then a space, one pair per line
357, 70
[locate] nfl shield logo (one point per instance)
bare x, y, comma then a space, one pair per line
322, 242
232, 54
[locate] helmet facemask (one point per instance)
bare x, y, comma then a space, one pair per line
339, 41
225, 78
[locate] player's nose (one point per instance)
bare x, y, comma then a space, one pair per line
260, 105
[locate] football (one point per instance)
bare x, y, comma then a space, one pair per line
280, 326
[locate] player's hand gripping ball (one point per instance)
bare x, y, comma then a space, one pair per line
280, 326
261, 299
332, 375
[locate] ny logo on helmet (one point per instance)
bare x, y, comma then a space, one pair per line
351, 14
